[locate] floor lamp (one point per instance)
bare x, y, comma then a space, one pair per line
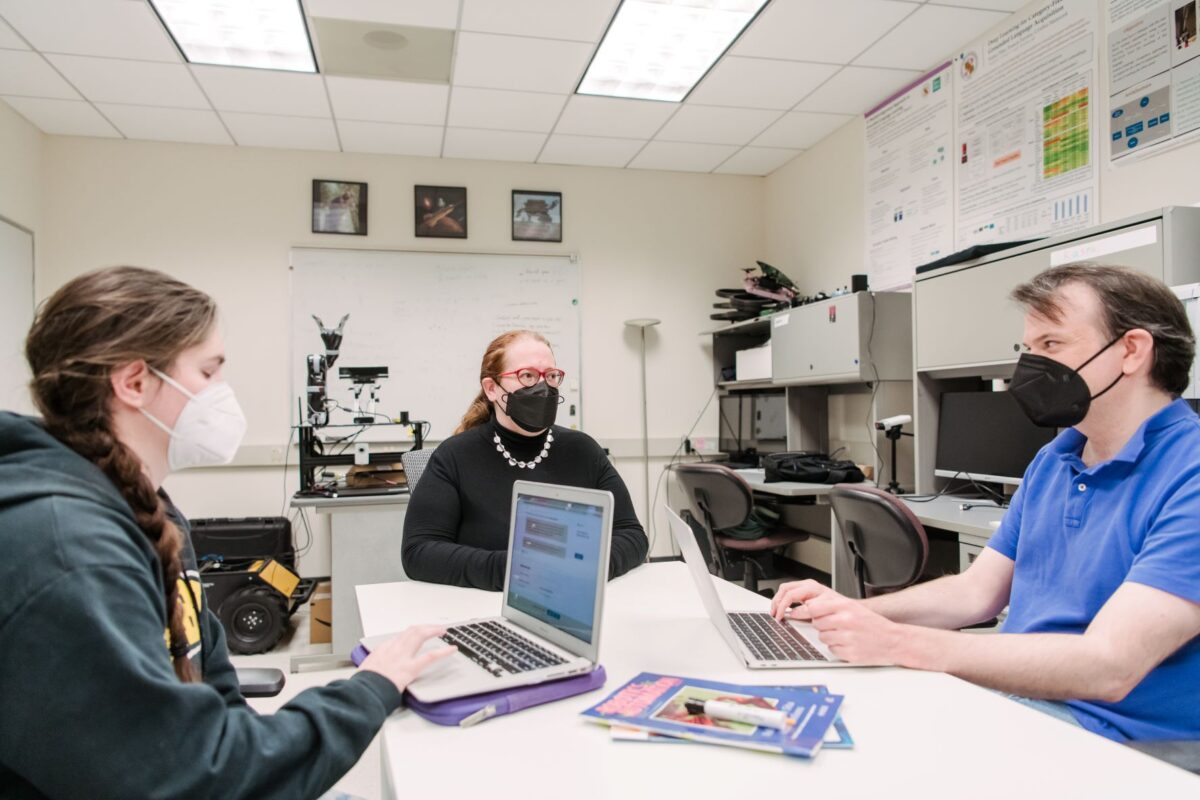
641, 324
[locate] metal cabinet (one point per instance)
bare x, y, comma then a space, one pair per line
843, 339
963, 316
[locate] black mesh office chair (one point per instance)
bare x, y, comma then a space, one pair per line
414, 462
721, 499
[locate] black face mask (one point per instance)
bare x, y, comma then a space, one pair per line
533, 408
1052, 394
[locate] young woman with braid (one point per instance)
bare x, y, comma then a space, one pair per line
114, 676
456, 526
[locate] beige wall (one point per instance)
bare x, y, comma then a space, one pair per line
20, 170
223, 218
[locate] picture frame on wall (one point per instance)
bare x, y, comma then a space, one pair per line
339, 207
536, 216
440, 211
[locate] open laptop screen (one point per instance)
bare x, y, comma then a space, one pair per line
553, 564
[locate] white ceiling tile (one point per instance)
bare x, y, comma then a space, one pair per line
759, 83
9, 39
492, 145
756, 161
488, 61
501, 110
925, 38
113, 28
263, 91
371, 100
589, 151
421, 13
25, 73
994, 5
611, 116
820, 30
856, 90
578, 20
264, 130
166, 124
682, 157
63, 117
110, 80
713, 125
387, 137
801, 129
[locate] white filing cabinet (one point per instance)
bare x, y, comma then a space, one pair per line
836, 340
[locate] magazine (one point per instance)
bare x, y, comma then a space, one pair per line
657, 704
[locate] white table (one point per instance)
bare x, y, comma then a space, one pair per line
365, 537
758, 482
918, 734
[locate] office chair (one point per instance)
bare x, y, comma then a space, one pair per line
414, 462
721, 500
881, 538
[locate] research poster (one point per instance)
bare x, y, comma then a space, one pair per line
1024, 159
910, 214
1153, 75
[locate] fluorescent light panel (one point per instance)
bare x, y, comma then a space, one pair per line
265, 34
661, 50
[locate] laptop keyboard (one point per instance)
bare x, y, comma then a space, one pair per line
771, 640
498, 649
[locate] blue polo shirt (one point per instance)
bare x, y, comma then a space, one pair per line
1077, 533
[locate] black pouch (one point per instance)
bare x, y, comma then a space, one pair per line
809, 467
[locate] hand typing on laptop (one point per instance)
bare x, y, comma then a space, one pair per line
397, 658
847, 627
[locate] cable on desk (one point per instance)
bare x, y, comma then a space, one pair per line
662, 476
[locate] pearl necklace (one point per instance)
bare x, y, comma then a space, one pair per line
512, 462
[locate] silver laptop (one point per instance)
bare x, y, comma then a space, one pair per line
757, 638
553, 599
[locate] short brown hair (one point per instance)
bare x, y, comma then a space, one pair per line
1130, 300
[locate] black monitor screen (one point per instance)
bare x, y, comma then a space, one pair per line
753, 423
986, 435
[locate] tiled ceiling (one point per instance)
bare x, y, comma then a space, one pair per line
107, 68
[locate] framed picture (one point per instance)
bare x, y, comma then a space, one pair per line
440, 211
537, 216
339, 207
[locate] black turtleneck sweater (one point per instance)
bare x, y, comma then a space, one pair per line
456, 526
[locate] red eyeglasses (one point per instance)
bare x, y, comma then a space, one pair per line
529, 376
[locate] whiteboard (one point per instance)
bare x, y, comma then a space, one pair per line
16, 315
428, 317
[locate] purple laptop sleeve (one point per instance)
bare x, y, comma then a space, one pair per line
467, 711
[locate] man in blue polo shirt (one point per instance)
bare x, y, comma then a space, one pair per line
1098, 557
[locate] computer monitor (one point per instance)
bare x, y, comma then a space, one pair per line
752, 423
986, 436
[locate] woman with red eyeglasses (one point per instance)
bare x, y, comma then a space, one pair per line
456, 527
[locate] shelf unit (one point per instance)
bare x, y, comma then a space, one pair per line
851, 344
967, 332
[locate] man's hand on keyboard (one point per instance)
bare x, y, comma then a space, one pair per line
851, 630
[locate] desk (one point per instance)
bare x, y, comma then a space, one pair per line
918, 734
758, 483
365, 537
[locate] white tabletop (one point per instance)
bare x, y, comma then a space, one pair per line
946, 512
917, 734
757, 480
349, 501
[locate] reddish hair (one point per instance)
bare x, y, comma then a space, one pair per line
480, 410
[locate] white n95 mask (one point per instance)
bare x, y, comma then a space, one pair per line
209, 429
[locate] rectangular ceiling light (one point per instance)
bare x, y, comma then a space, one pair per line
661, 50
266, 34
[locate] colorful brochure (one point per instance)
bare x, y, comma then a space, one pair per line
656, 704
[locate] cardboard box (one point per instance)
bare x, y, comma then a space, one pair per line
753, 364
320, 626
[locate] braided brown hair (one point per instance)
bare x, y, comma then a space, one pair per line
480, 409
91, 326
